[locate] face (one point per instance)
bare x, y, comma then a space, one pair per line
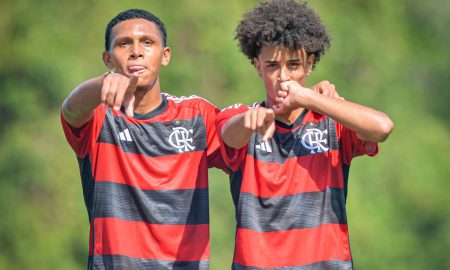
277, 64
136, 49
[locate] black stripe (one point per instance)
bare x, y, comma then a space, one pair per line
235, 185
186, 206
325, 265
87, 181
304, 210
153, 139
345, 172
88, 184
112, 262
297, 143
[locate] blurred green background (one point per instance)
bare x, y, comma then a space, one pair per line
390, 55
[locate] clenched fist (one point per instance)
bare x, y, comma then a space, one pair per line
118, 90
261, 120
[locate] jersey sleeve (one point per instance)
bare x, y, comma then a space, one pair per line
232, 157
82, 139
351, 146
209, 113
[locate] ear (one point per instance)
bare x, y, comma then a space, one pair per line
257, 66
310, 63
107, 60
166, 56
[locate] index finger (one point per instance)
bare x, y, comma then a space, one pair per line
132, 86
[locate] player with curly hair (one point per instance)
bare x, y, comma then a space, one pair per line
290, 156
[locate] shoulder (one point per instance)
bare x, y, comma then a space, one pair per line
193, 102
236, 106
240, 107
312, 116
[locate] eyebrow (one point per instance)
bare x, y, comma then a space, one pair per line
290, 60
144, 35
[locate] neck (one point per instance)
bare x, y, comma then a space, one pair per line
147, 99
289, 117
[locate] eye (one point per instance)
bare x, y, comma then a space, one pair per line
123, 43
294, 65
147, 42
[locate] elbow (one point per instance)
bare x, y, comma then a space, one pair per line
385, 127
72, 116
233, 138
231, 141
67, 111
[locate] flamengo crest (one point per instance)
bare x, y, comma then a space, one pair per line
180, 138
315, 140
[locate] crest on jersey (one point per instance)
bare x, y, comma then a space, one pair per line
315, 140
181, 138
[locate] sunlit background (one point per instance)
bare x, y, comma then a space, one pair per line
390, 55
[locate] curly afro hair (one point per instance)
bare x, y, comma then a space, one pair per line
282, 22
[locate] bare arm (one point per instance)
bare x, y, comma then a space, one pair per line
238, 130
369, 124
112, 89
78, 108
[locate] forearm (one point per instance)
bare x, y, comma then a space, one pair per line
78, 108
369, 124
234, 133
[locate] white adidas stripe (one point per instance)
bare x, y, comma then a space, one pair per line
125, 135
264, 146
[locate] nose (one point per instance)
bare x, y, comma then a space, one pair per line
136, 51
284, 74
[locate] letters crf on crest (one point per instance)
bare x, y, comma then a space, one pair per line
181, 138
315, 140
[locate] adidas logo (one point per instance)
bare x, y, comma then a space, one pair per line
125, 136
264, 146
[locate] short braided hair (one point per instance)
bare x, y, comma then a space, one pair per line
134, 14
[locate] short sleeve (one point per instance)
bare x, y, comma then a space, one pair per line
82, 139
209, 113
351, 146
232, 157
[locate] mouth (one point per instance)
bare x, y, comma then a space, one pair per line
136, 69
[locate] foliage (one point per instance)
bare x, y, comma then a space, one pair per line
391, 55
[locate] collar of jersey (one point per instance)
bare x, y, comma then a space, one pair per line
157, 111
283, 125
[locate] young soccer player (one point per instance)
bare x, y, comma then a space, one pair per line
290, 155
143, 155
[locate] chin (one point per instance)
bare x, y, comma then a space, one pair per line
282, 112
142, 86
145, 83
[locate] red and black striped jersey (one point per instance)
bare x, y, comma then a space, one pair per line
145, 184
290, 191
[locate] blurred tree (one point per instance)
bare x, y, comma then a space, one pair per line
389, 55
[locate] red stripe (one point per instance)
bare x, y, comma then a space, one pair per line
309, 173
150, 173
293, 247
151, 241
